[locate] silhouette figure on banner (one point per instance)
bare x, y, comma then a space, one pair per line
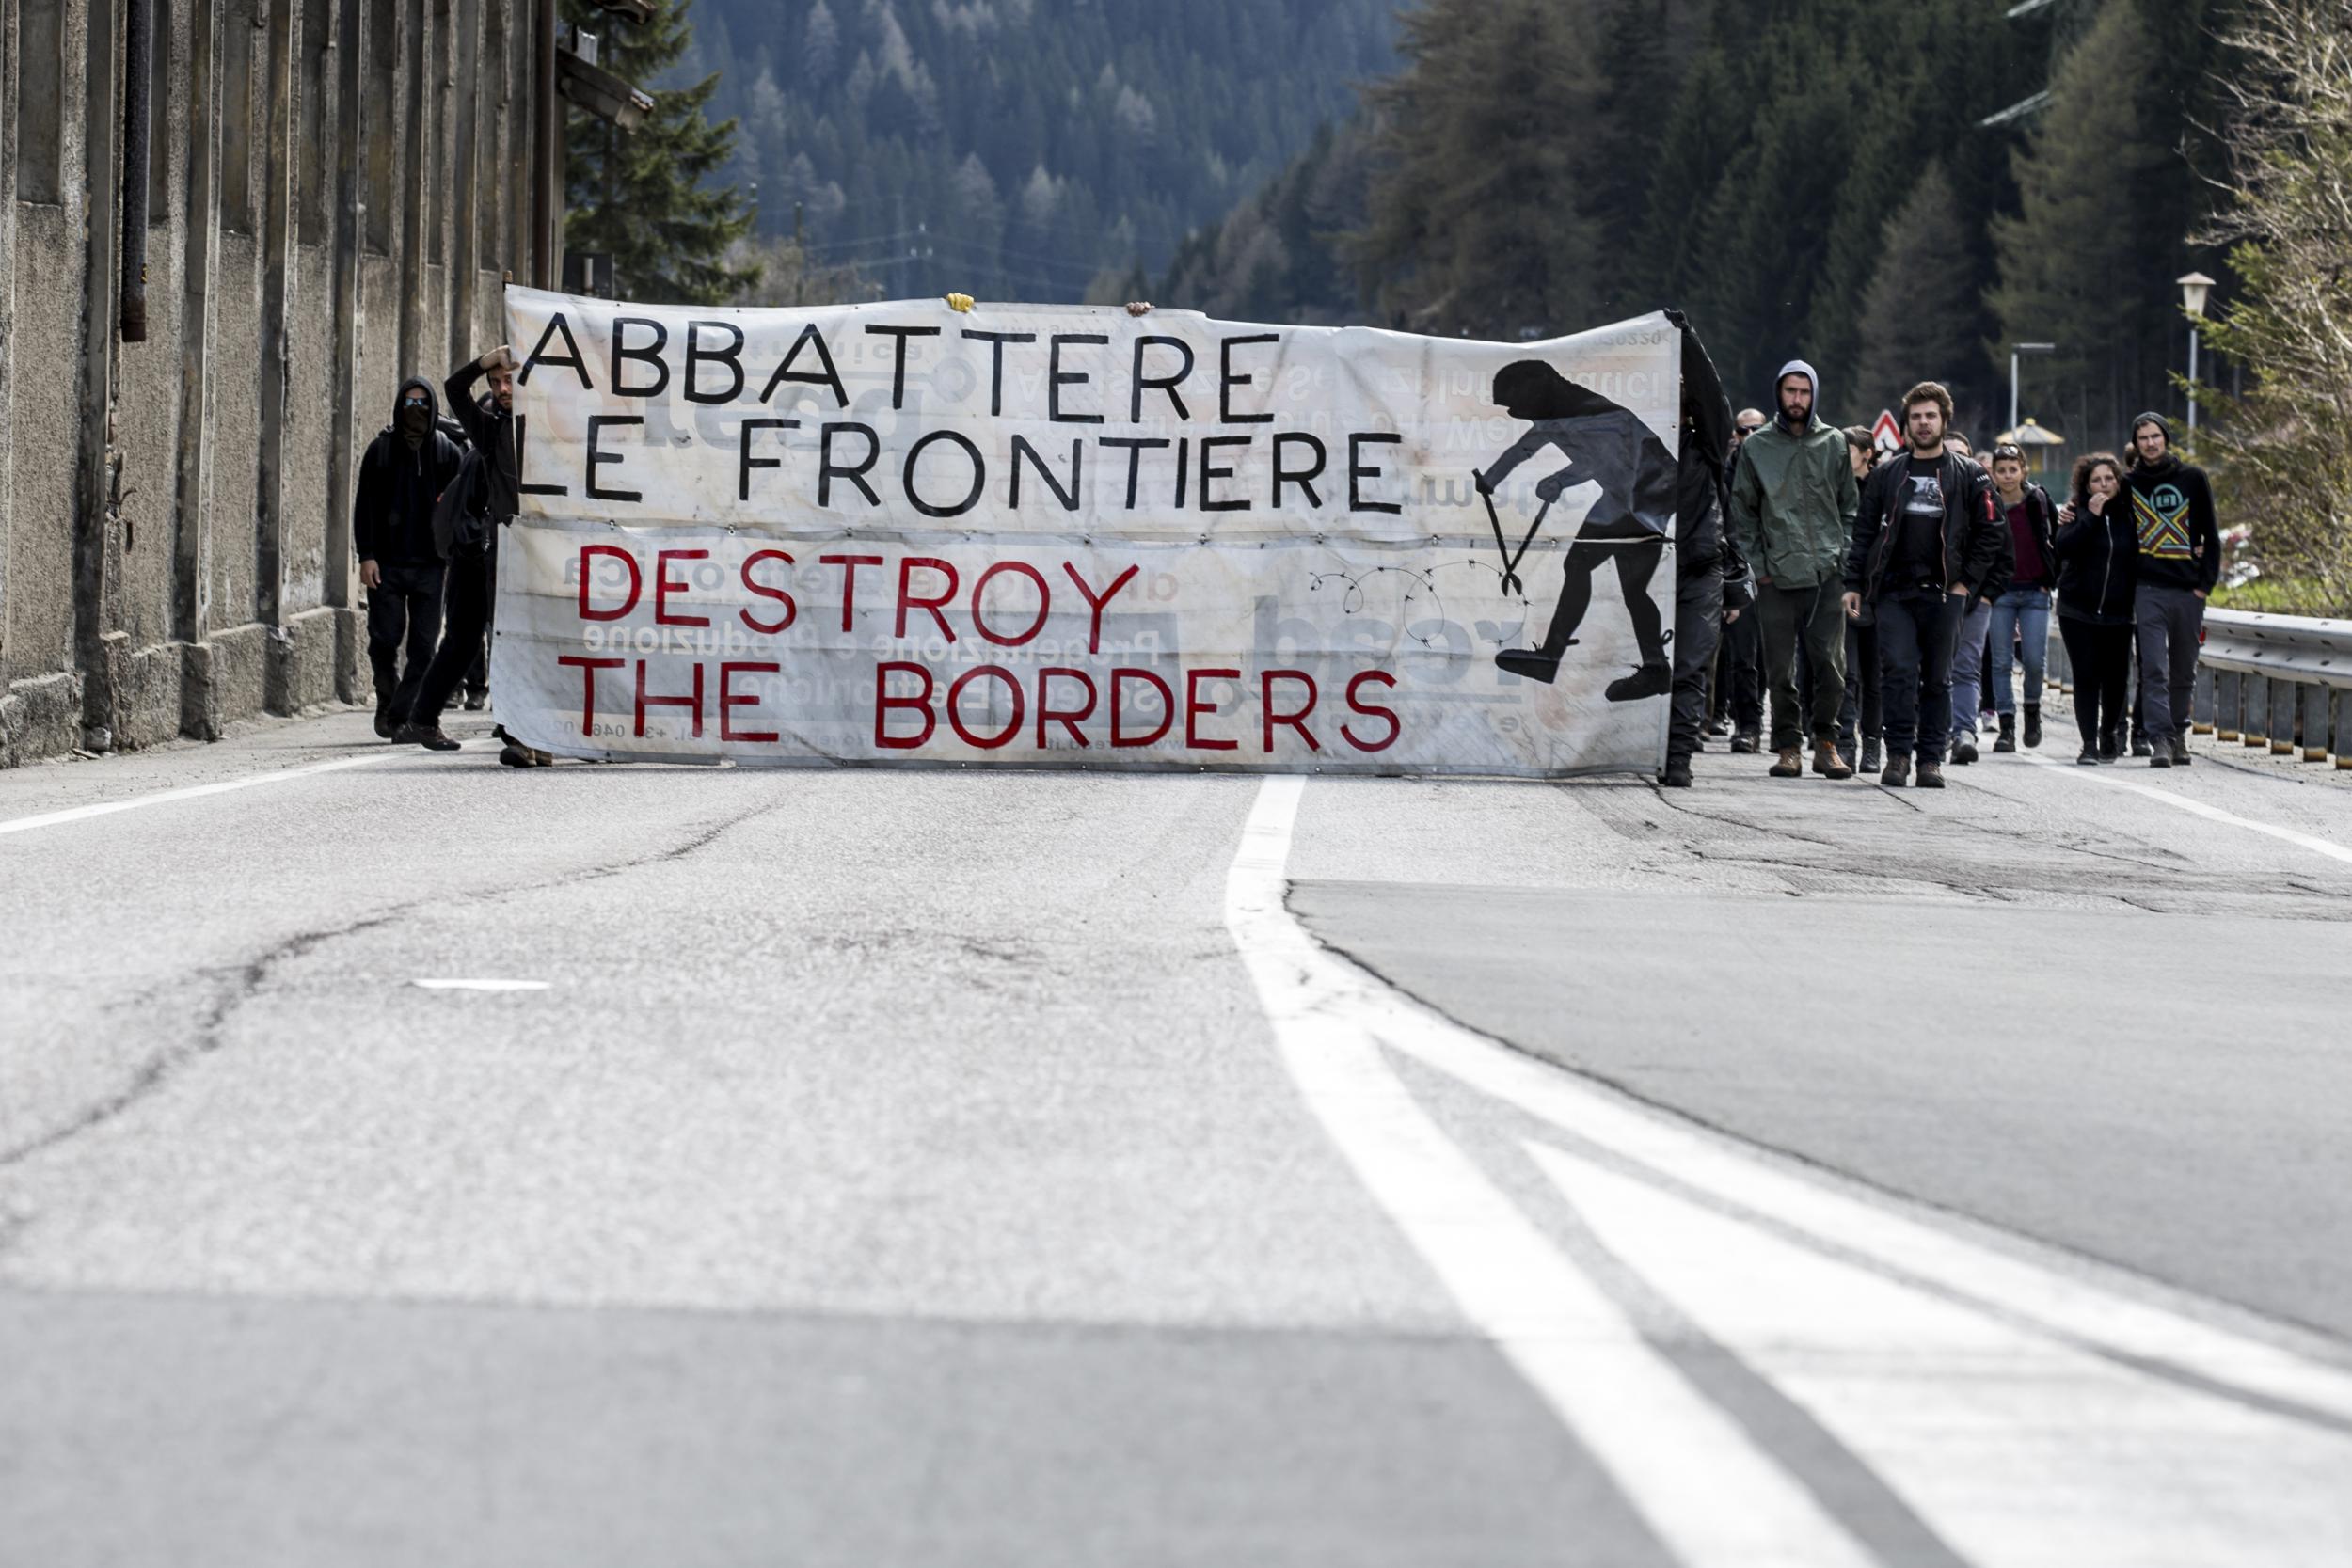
1612, 447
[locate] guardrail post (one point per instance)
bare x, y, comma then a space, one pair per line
2254, 711
2342, 729
2228, 686
2315, 722
2201, 709
2284, 699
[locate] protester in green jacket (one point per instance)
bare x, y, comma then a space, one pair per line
1793, 500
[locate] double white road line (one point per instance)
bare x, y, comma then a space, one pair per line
2025, 1414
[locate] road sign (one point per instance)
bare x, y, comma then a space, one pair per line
1885, 434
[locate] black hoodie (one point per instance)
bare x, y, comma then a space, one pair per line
2180, 544
391, 514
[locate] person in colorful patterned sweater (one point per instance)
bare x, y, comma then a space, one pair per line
2180, 561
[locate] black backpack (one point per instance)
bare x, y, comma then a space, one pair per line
461, 515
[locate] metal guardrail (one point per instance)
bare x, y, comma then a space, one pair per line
2283, 682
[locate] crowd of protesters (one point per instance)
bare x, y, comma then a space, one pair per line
1901, 596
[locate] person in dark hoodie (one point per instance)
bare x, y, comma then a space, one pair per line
2179, 561
473, 552
2098, 554
1710, 578
1792, 509
406, 468
1926, 539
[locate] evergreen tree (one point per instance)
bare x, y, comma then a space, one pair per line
1480, 214
1917, 320
2076, 260
642, 195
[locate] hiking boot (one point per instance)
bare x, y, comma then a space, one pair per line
2088, 759
1718, 727
385, 722
1897, 770
1872, 759
1790, 766
1963, 752
2158, 759
2007, 740
2110, 746
427, 735
1529, 664
477, 700
1827, 763
2180, 750
1746, 742
1931, 774
1650, 680
513, 755
2033, 725
2140, 744
1677, 773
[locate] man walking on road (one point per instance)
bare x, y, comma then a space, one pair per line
473, 552
2180, 561
1792, 511
1924, 542
407, 467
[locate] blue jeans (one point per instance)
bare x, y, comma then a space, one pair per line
1968, 666
2022, 614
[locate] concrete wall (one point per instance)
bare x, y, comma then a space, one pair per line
175, 539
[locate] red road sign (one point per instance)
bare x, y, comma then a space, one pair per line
1885, 434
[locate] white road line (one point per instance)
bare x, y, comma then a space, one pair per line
2025, 1452
2065, 1305
1703, 1485
191, 792
481, 984
2213, 814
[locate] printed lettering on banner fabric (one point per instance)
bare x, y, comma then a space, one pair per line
1059, 535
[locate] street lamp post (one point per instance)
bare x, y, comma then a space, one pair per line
2193, 289
2014, 351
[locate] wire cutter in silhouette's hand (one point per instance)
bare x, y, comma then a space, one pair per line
1511, 559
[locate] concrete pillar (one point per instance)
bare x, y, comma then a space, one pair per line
465, 267
342, 587
192, 525
416, 155
280, 157
2316, 732
97, 640
7, 307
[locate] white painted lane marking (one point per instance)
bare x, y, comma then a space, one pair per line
2064, 1304
189, 792
1702, 1484
2027, 1452
481, 985
2212, 813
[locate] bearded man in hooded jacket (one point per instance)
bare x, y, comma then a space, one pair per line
1793, 500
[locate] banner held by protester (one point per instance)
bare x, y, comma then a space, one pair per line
1065, 536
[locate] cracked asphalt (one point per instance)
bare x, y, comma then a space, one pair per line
897, 1163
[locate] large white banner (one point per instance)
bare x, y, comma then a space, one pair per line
1054, 536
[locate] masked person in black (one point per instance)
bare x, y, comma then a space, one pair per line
1738, 690
2098, 552
406, 468
473, 549
1925, 543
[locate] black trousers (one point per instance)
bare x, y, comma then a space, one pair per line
1634, 551
473, 571
1739, 673
1916, 628
404, 608
1698, 624
2102, 657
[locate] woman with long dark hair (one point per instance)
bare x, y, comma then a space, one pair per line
2098, 551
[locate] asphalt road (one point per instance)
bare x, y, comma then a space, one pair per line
875, 1167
